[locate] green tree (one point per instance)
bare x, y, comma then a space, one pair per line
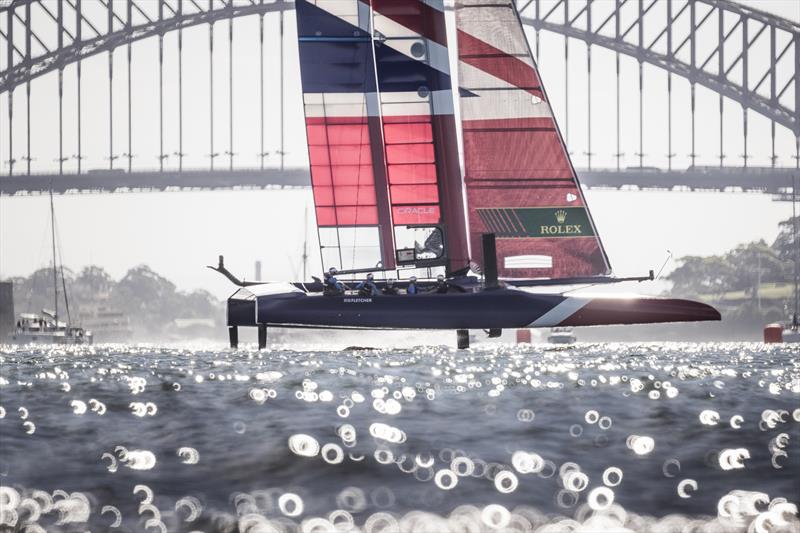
755, 263
701, 275
147, 298
34, 293
787, 243
94, 278
151, 301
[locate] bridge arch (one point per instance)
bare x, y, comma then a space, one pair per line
22, 65
695, 14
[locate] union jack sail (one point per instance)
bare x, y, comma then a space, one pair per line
382, 138
520, 182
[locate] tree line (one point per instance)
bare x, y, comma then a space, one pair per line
150, 301
751, 283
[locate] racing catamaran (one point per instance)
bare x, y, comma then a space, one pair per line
390, 196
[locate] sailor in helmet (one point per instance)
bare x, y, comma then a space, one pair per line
333, 287
412, 285
441, 286
389, 288
368, 287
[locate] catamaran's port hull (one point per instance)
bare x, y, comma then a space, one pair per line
488, 309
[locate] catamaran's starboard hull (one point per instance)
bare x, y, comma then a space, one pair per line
488, 309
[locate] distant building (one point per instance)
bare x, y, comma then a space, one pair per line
187, 323
193, 328
106, 323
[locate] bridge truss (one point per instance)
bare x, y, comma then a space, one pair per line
746, 56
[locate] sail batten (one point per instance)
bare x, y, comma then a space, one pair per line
519, 179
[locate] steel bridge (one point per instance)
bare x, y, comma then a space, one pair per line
775, 181
749, 58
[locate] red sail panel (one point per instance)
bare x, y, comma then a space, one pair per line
411, 164
520, 182
341, 169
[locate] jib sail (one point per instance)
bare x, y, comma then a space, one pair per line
520, 182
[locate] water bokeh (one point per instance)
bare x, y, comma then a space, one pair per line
591, 437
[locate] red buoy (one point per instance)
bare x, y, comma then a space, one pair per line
773, 333
523, 335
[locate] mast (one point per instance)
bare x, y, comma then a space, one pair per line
795, 318
64, 287
55, 271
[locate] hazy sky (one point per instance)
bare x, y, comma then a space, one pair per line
178, 233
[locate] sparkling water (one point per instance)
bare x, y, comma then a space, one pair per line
593, 437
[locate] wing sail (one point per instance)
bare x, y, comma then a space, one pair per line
381, 132
520, 182
417, 109
343, 128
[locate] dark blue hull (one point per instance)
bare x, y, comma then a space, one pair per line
484, 309
480, 310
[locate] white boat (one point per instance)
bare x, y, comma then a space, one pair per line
562, 336
46, 327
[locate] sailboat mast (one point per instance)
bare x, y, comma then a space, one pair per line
55, 271
795, 318
64, 288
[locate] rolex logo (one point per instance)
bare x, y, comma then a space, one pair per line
561, 216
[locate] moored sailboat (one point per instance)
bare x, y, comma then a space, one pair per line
390, 197
47, 327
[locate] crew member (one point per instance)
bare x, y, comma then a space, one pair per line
389, 289
368, 287
333, 287
412, 285
441, 286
